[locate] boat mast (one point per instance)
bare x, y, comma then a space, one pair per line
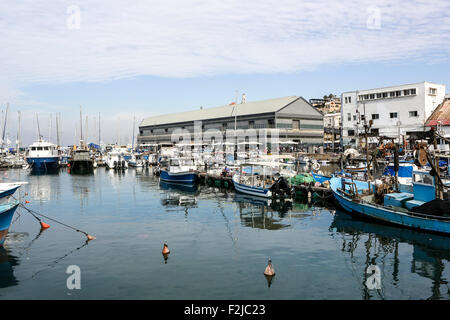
81, 125
4, 126
132, 142
99, 129
39, 129
18, 133
57, 131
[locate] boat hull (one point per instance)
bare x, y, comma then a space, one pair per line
6, 194
47, 163
250, 190
388, 214
6, 215
81, 166
178, 177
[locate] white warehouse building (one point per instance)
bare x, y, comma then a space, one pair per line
394, 110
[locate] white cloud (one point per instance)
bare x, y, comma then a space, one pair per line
191, 38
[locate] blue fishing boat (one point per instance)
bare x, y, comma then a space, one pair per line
320, 177
412, 210
258, 179
179, 172
6, 214
8, 189
43, 155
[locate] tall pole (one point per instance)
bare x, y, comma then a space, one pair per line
39, 129
99, 137
81, 125
4, 126
132, 142
57, 131
18, 134
87, 129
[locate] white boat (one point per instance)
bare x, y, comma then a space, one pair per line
43, 155
115, 160
257, 178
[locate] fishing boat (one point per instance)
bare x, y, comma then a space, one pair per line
418, 210
115, 160
260, 179
43, 155
320, 177
179, 171
7, 189
6, 214
81, 161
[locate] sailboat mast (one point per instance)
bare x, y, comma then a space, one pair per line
132, 142
99, 137
18, 133
39, 129
4, 125
57, 131
81, 125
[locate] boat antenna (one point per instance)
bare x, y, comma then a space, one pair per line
57, 130
99, 129
132, 141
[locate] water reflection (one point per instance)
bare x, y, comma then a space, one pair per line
256, 212
7, 264
380, 243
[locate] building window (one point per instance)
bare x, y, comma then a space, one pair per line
354, 118
375, 131
151, 130
413, 91
432, 91
351, 133
413, 113
398, 93
349, 99
363, 117
346, 100
385, 94
166, 130
392, 94
378, 95
375, 116
295, 124
251, 124
372, 96
349, 117
393, 115
271, 123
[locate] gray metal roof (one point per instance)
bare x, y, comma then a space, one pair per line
248, 108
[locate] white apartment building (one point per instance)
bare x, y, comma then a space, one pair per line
394, 110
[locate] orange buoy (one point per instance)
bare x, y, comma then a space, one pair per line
270, 271
90, 237
26, 201
44, 225
165, 249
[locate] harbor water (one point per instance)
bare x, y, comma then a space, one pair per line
219, 244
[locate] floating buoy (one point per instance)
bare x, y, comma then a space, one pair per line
165, 249
26, 201
44, 225
270, 271
89, 237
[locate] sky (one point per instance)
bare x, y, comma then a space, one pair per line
131, 59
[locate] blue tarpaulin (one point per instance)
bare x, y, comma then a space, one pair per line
93, 146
